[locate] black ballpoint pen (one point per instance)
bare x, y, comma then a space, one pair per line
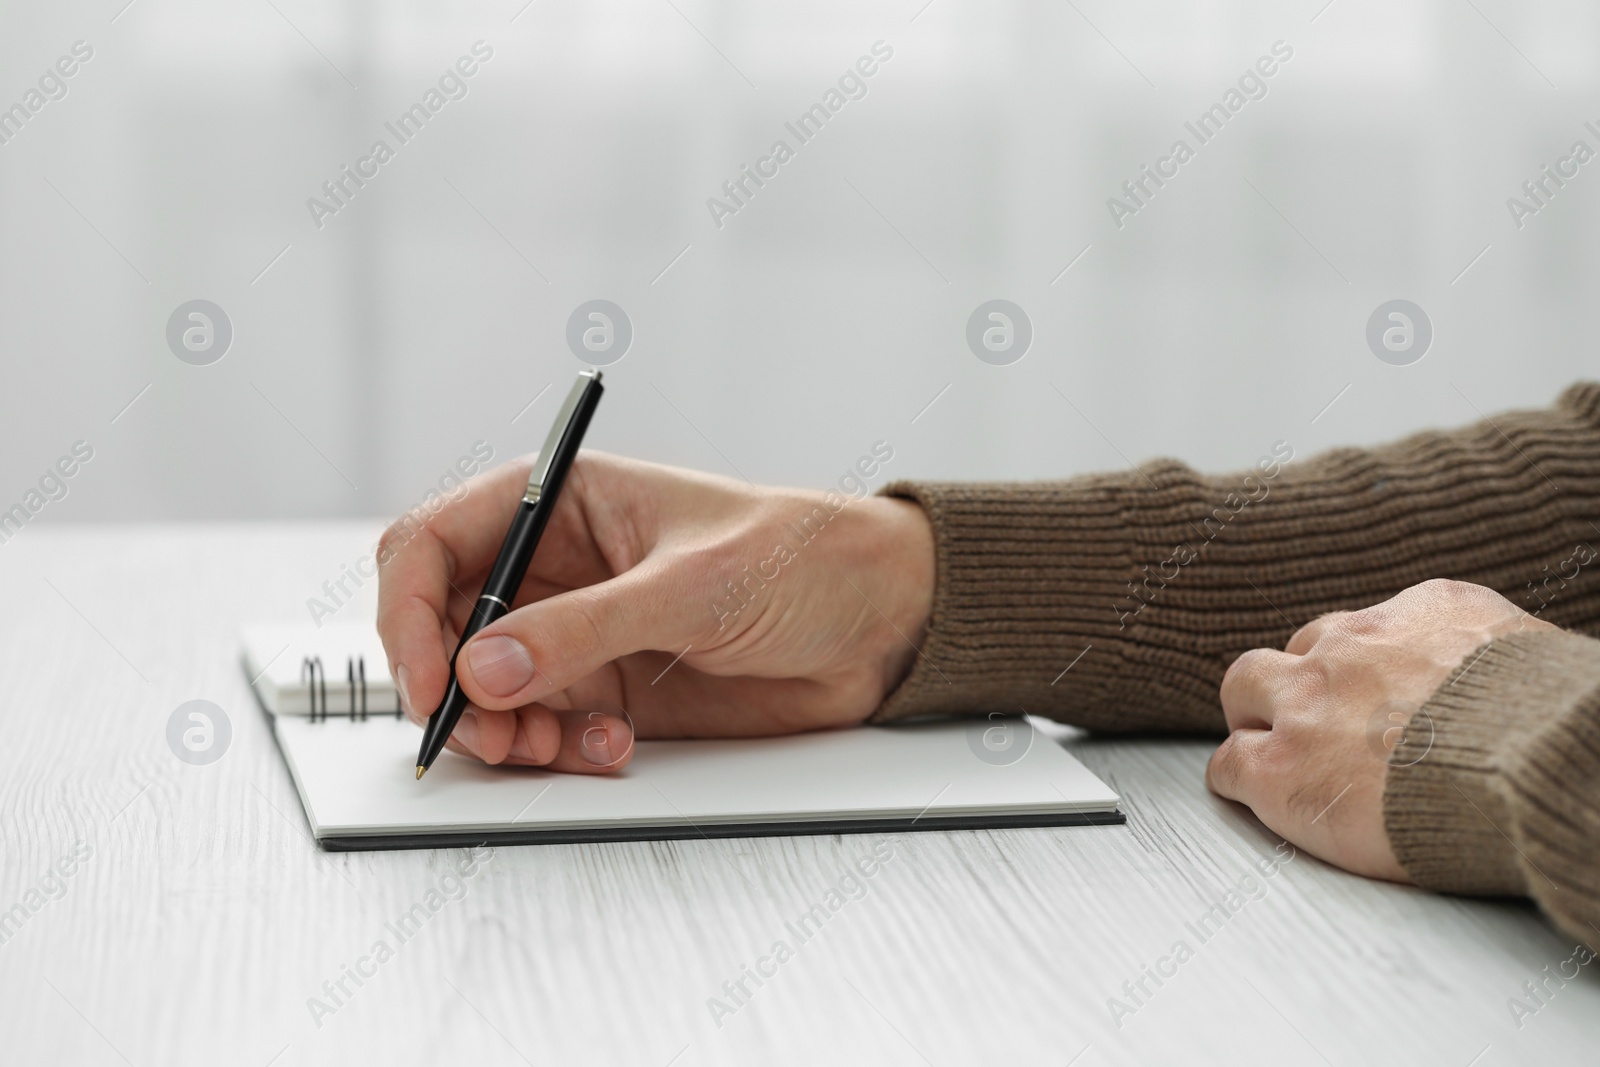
516, 552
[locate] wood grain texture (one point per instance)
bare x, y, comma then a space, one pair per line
205, 918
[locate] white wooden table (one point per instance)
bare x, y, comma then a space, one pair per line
204, 919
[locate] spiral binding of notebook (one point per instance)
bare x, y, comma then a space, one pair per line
289, 667
314, 678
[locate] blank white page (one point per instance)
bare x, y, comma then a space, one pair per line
358, 779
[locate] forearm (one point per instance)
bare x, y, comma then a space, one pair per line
1118, 601
1505, 799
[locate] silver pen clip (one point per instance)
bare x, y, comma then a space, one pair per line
547, 454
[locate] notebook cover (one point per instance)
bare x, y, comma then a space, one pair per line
387, 842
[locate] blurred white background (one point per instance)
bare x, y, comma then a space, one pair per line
369, 354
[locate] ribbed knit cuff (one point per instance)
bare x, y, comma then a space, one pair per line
1502, 802
1032, 605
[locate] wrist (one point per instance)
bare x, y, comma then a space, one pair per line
1484, 747
907, 557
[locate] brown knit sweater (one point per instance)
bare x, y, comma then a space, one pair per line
1165, 576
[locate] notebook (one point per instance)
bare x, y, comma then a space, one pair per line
353, 760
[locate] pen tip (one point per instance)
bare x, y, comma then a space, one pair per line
421, 771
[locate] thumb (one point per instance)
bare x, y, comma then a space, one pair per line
545, 647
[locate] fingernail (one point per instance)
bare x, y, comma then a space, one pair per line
466, 732
499, 664
519, 748
595, 746
402, 677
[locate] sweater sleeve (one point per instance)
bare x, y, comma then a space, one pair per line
1506, 797
1118, 601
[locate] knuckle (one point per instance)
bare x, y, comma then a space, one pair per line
1327, 621
394, 537
398, 534
1355, 625
1465, 600
1450, 591
1236, 764
1247, 669
1221, 769
1310, 629
1313, 631
1482, 598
